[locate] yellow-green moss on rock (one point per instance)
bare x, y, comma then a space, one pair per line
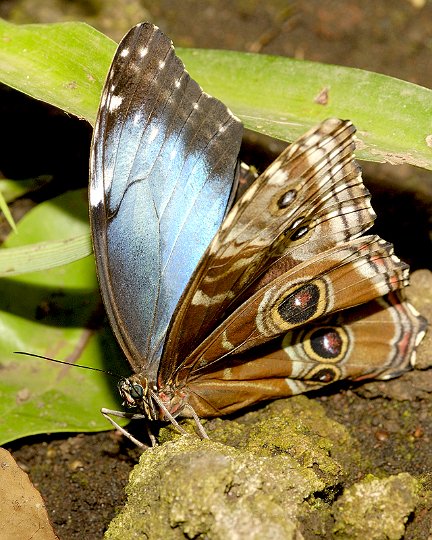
377, 509
190, 488
273, 473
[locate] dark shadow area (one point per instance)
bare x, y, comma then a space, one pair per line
43, 140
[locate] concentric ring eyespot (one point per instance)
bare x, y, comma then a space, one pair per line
299, 229
327, 343
300, 232
301, 304
286, 199
322, 375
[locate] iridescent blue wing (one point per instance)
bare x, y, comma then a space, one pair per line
163, 162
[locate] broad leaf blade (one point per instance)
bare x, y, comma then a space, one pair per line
65, 64
393, 117
43, 255
56, 313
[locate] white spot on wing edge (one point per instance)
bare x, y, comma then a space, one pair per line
419, 337
412, 309
115, 103
209, 96
124, 53
100, 182
96, 130
96, 191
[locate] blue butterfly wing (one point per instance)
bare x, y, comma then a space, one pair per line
163, 163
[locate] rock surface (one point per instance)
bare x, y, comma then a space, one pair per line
283, 480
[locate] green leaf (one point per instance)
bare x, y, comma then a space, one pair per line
65, 64
5, 209
56, 313
43, 255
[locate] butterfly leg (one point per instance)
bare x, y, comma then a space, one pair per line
200, 427
168, 415
173, 421
106, 413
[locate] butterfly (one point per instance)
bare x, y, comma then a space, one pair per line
218, 306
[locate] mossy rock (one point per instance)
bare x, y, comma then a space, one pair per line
285, 471
280, 471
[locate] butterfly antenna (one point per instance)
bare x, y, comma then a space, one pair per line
116, 375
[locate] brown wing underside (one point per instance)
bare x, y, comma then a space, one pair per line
376, 340
309, 200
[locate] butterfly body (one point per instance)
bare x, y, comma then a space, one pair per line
219, 308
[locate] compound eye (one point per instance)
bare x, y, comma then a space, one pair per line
136, 391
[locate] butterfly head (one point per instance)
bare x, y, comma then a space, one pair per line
135, 392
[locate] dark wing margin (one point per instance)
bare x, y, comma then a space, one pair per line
163, 161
